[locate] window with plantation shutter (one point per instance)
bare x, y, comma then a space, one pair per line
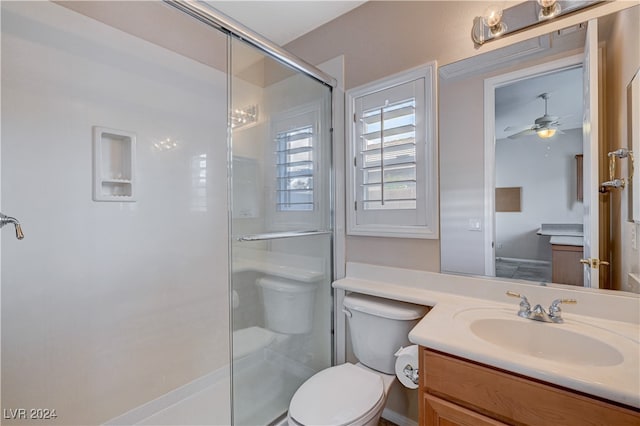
295, 169
296, 193
388, 156
393, 178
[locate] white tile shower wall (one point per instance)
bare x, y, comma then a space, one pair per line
106, 306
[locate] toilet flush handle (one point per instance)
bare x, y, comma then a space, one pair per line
347, 312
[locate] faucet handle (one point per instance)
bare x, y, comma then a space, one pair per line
525, 307
555, 311
523, 298
555, 305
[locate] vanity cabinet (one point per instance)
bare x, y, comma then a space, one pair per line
565, 264
459, 392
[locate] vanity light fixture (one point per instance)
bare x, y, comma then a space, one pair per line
497, 22
244, 116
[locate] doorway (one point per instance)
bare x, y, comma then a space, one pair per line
533, 150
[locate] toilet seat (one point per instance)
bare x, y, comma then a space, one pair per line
342, 395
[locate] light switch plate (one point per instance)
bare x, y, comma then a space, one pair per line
475, 224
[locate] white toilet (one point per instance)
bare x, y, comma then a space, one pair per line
355, 394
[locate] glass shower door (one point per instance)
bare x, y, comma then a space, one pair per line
281, 233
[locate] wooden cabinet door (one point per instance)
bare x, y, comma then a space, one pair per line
439, 412
509, 397
565, 265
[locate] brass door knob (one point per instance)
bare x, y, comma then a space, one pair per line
594, 263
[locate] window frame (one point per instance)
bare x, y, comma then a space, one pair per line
385, 222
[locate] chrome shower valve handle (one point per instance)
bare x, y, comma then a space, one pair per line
5, 220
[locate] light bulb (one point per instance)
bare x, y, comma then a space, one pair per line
492, 16
548, 9
546, 133
493, 19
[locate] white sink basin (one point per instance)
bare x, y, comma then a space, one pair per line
589, 354
572, 342
546, 341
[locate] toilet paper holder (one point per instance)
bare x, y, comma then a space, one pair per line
411, 373
407, 366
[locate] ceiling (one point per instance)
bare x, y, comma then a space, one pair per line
518, 105
284, 21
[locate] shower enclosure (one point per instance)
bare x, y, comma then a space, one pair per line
172, 174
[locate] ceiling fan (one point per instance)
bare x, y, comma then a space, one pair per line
545, 126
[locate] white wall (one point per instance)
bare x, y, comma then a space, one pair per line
461, 175
546, 171
107, 305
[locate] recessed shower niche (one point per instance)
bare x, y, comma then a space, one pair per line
114, 153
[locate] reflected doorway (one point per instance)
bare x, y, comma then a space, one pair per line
537, 214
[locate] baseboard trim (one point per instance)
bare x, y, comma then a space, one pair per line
148, 409
398, 419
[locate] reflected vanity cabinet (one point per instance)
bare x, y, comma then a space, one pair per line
459, 392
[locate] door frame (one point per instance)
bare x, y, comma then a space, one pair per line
490, 86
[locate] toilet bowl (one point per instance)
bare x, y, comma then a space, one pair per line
355, 394
347, 394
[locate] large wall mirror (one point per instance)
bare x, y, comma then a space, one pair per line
518, 166
633, 136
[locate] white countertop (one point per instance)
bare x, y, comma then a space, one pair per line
612, 317
564, 240
561, 229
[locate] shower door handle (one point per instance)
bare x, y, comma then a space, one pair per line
5, 220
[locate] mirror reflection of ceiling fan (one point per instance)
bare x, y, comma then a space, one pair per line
545, 126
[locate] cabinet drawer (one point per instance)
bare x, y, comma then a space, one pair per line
439, 412
514, 399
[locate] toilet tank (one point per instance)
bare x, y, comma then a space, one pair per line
379, 327
288, 305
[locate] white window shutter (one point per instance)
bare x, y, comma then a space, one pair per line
393, 181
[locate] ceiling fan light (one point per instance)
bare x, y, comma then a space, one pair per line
546, 133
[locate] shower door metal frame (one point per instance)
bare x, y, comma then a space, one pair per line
219, 20
232, 28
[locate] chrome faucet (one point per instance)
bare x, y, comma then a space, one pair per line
538, 313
